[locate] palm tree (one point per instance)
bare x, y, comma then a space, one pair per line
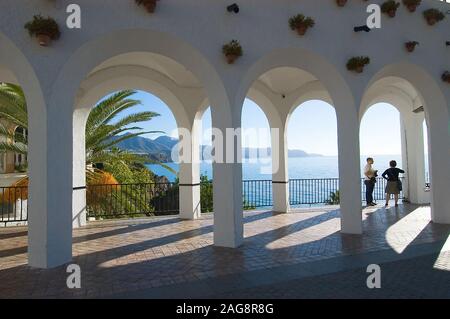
103, 130
13, 109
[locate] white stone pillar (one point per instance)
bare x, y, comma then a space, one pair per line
349, 173
439, 153
280, 176
50, 216
79, 213
189, 175
190, 191
227, 184
414, 158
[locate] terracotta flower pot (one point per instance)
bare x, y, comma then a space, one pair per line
301, 29
446, 77
431, 21
392, 13
411, 7
44, 39
150, 5
231, 58
359, 69
341, 3
410, 47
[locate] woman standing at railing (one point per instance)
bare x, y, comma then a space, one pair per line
394, 185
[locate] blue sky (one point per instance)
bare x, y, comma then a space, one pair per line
312, 126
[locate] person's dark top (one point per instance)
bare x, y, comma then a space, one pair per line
391, 174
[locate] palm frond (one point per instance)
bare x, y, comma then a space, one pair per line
18, 148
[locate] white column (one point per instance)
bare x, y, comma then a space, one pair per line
50, 216
414, 156
79, 214
227, 184
280, 176
349, 174
190, 191
189, 154
439, 154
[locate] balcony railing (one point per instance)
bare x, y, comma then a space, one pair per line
141, 200
13, 205
132, 200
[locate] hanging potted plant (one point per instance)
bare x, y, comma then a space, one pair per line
390, 8
301, 24
357, 64
411, 45
150, 5
412, 5
433, 16
446, 77
232, 51
44, 29
341, 3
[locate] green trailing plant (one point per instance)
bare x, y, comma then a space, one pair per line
334, 199
44, 29
390, 8
433, 16
301, 23
357, 64
412, 5
232, 51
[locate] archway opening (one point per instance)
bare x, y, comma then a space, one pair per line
13, 155
164, 184
381, 140
257, 167
313, 155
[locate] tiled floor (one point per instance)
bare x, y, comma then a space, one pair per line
120, 257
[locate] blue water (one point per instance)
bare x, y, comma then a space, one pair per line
299, 168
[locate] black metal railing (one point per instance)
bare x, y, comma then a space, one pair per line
257, 193
312, 191
140, 200
132, 200
14, 204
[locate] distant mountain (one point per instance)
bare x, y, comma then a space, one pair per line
161, 148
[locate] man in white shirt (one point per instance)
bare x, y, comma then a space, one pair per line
369, 181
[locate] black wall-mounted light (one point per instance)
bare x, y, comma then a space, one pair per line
234, 8
447, 43
362, 28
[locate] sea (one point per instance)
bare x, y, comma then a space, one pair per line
299, 168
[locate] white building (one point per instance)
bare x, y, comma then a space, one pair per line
175, 54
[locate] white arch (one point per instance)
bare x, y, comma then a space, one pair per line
91, 55
14, 67
436, 112
113, 79
343, 101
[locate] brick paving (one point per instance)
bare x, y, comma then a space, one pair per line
123, 257
416, 278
